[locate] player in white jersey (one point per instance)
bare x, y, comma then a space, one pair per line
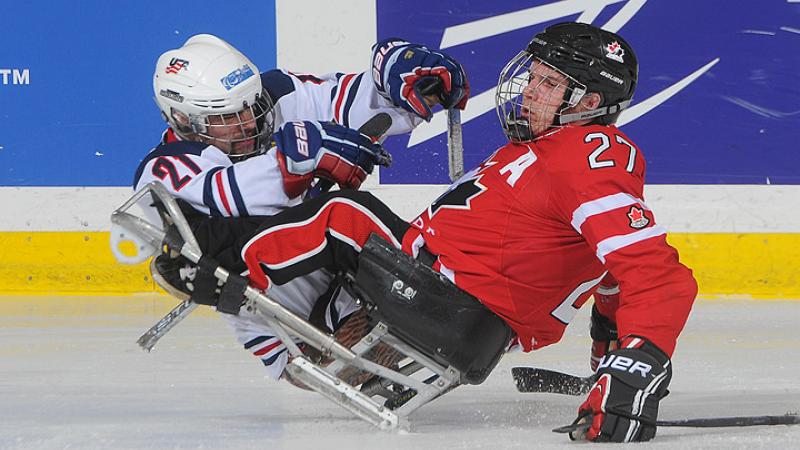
217, 156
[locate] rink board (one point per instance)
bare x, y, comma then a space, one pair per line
761, 265
739, 240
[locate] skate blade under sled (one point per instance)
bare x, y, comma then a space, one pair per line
447, 337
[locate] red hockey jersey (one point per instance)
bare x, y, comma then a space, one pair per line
533, 230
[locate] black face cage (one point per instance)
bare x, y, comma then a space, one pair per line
259, 125
515, 78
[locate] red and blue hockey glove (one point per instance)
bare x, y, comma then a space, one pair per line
405, 73
623, 403
306, 150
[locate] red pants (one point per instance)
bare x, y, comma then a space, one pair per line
326, 232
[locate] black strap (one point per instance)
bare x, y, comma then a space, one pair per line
317, 316
232, 295
426, 257
205, 283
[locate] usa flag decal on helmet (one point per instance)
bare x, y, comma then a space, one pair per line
176, 64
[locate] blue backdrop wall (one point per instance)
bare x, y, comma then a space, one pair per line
739, 123
87, 115
79, 111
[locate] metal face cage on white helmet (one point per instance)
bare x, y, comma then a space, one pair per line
523, 117
210, 92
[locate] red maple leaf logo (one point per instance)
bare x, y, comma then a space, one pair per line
614, 51
638, 219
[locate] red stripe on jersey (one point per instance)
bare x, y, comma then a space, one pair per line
221, 190
287, 244
306, 77
267, 349
341, 95
169, 136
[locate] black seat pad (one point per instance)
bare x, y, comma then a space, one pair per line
429, 312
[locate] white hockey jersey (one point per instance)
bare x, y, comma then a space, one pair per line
205, 177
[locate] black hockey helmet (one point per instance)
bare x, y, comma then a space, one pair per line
600, 60
591, 59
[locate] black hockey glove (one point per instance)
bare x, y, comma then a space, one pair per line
196, 282
604, 337
623, 403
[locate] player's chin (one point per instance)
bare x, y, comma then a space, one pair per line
537, 129
243, 147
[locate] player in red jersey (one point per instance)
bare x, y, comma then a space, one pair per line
536, 228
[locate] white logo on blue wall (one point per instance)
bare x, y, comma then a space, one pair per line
236, 77
15, 76
587, 11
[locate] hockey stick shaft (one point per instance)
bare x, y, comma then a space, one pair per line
704, 422
455, 144
530, 379
744, 421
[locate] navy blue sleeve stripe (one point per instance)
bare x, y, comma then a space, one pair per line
335, 90
272, 358
305, 78
277, 84
333, 93
208, 192
170, 149
351, 96
237, 194
255, 341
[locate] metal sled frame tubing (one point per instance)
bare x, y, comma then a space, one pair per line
447, 377
319, 379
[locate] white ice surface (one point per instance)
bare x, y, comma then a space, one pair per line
81, 382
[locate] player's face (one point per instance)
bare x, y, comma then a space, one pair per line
233, 133
542, 97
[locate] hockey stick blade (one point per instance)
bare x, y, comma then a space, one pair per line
704, 422
530, 379
376, 126
148, 340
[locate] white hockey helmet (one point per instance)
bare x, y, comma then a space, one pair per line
208, 91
